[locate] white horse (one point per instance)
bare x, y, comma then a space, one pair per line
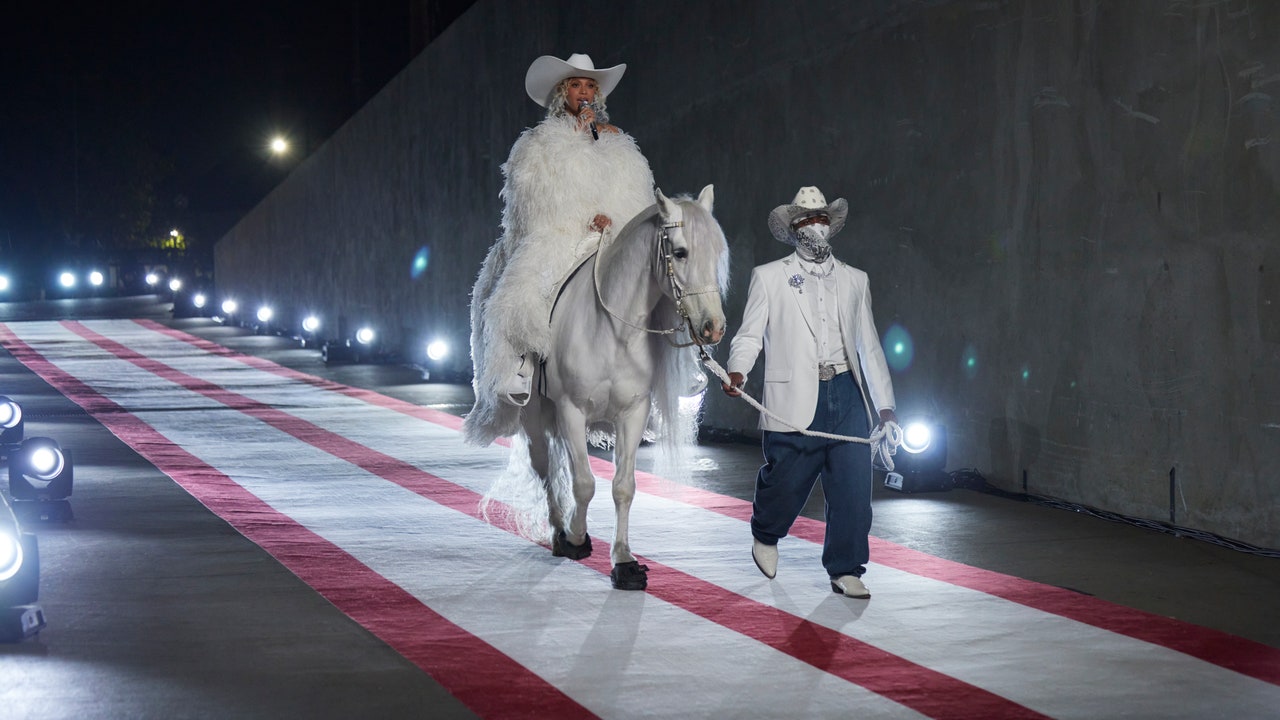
615, 330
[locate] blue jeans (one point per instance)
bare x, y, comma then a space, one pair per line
793, 463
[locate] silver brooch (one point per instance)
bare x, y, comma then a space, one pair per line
797, 282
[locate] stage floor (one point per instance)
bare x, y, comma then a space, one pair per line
260, 535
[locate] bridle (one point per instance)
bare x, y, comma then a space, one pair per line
666, 261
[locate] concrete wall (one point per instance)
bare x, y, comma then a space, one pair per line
1068, 207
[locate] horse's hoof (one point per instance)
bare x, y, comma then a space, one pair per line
629, 576
561, 547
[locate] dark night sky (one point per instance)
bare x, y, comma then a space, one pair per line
104, 103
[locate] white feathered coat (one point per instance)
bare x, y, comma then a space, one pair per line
557, 179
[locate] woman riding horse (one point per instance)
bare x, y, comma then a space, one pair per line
567, 180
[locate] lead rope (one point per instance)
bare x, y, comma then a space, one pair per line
884, 440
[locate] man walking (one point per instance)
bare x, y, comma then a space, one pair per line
811, 314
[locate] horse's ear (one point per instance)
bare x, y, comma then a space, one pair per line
707, 197
665, 206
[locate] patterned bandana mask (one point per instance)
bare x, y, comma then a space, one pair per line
813, 242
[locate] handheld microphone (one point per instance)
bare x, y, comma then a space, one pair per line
594, 134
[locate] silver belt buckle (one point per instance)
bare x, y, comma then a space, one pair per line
826, 372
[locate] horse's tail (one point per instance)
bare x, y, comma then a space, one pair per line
518, 499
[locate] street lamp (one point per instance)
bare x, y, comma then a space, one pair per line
279, 146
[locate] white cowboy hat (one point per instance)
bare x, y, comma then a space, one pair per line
808, 202
548, 70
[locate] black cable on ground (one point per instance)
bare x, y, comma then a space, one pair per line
971, 479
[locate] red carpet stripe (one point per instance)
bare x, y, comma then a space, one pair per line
463, 663
922, 689
1238, 654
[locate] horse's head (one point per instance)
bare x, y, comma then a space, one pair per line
693, 262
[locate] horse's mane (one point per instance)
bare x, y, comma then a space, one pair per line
679, 368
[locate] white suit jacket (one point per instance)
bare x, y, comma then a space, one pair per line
779, 319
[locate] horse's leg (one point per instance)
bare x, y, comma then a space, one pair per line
627, 574
535, 428
572, 426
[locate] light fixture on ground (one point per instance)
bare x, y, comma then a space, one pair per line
436, 361
264, 315
152, 279
20, 617
310, 328
67, 280
41, 475
359, 347
437, 350
10, 424
921, 460
96, 279
190, 304
4, 283
229, 308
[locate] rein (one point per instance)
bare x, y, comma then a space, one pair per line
884, 440
678, 292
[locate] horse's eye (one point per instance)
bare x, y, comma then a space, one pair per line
680, 253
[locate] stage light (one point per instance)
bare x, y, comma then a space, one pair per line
152, 279
4, 283
175, 285
365, 335
10, 554
229, 307
10, 422
310, 324
40, 471
199, 300
437, 350
916, 438
920, 463
95, 278
20, 617
67, 280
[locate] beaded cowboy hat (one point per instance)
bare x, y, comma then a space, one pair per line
807, 203
548, 70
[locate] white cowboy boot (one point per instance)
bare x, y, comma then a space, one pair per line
520, 385
850, 586
766, 557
